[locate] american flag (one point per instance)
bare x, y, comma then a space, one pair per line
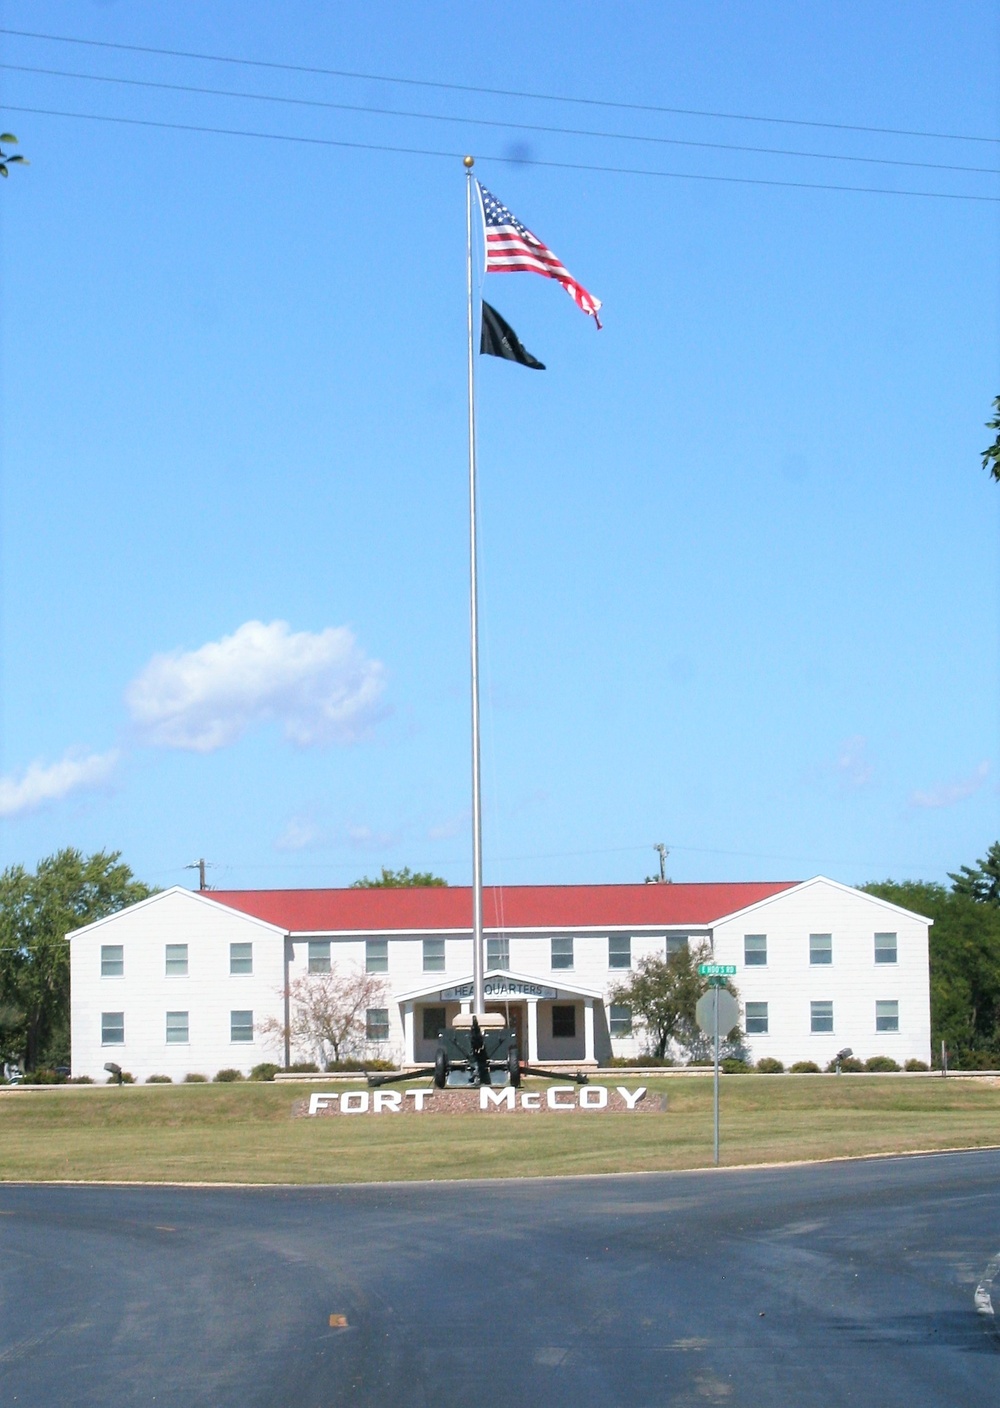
511, 248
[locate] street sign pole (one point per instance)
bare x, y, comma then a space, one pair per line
716, 1011
716, 1005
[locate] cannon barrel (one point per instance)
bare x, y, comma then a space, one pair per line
390, 1076
578, 1077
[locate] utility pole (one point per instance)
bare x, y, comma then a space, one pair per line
660, 879
199, 865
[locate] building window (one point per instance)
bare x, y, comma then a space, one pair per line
564, 1021
241, 958
887, 1016
241, 1026
498, 954
755, 950
619, 951
377, 1024
112, 1028
177, 1028
619, 1020
562, 953
319, 955
376, 957
177, 960
820, 948
756, 1018
676, 943
821, 1016
112, 961
434, 1022
433, 956
885, 948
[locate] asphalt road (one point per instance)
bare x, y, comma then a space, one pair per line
828, 1285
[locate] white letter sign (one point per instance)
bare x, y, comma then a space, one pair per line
354, 1102
320, 1102
489, 1097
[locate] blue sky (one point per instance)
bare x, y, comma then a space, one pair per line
740, 586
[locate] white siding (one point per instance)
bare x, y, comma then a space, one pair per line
853, 982
145, 994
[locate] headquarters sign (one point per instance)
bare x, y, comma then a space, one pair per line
499, 989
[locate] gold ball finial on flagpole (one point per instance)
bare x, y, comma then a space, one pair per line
469, 162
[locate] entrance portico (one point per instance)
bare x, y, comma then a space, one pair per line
555, 1023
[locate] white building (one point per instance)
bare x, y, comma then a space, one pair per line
182, 982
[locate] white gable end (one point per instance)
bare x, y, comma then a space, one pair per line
808, 961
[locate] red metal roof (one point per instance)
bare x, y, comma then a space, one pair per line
510, 907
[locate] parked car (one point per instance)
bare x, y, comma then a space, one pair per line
12, 1073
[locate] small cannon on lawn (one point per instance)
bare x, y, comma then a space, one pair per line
476, 1050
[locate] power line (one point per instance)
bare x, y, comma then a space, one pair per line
493, 122
492, 92
505, 160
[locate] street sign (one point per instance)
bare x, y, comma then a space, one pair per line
716, 970
729, 1012
717, 1012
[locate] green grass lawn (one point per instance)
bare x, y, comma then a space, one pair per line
246, 1133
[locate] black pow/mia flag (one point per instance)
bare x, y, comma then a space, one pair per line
500, 340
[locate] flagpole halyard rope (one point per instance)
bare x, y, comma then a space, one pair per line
478, 993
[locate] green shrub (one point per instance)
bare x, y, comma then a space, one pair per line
377, 1063
641, 1061
159, 1080
193, 1078
267, 1070
914, 1065
80, 1080
126, 1078
800, 1068
44, 1076
975, 1061
770, 1066
733, 1066
881, 1063
850, 1064
304, 1068
228, 1073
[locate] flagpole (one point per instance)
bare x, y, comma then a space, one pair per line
478, 996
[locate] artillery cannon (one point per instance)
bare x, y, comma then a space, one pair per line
476, 1050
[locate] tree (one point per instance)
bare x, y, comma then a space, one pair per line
8, 158
982, 881
398, 880
991, 455
37, 910
964, 946
328, 1013
663, 993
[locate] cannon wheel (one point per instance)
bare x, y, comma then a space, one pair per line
440, 1068
513, 1067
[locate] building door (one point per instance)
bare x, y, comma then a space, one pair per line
517, 1023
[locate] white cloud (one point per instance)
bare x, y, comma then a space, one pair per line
853, 765
320, 687
448, 830
50, 782
300, 833
364, 838
946, 794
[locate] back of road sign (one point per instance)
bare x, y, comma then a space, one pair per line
729, 1011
